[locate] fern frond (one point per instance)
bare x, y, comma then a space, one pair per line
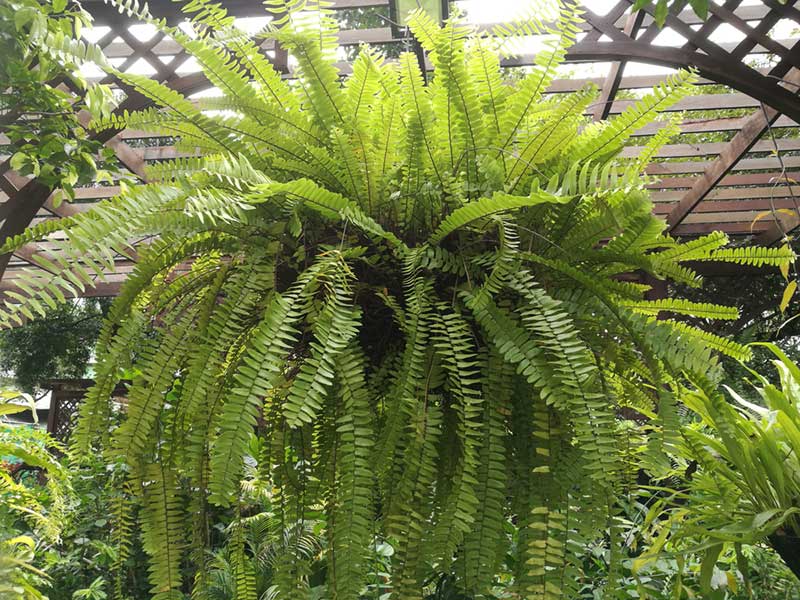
484, 207
755, 256
702, 310
524, 102
662, 137
483, 543
720, 344
452, 342
351, 519
329, 204
694, 249
268, 346
162, 531
604, 139
334, 328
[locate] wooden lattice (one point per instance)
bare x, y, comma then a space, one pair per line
64, 404
65, 401
706, 185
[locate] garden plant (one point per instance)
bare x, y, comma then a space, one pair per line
405, 297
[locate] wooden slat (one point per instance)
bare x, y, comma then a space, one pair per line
749, 217
739, 194
744, 179
710, 148
700, 102
695, 229
713, 125
760, 205
747, 164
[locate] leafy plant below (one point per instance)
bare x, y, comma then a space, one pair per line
746, 487
29, 516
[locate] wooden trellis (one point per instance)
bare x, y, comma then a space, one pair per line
65, 401
706, 185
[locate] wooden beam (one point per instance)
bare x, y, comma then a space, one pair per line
100, 289
163, 9
108, 15
23, 206
14, 182
739, 77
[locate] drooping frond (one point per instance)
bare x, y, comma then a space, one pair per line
162, 524
352, 511
679, 306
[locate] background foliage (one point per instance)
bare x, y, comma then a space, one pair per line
38, 112
58, 345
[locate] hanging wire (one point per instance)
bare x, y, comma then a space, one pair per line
781, 179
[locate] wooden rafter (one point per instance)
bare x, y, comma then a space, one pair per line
610, 86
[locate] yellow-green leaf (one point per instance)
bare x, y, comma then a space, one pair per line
787, 294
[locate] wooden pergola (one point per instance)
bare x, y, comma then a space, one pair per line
733, 173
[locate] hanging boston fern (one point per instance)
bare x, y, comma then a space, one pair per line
416, 292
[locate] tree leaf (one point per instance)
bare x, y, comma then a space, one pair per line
787, 295
707, 567
661, 12
700, 8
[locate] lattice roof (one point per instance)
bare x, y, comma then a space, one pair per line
724, 172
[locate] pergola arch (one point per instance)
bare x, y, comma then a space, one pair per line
762, 87
695, 197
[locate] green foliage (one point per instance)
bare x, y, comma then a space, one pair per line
408, 297
58, 345
745, 489
29, 515
86, 561
46, 138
